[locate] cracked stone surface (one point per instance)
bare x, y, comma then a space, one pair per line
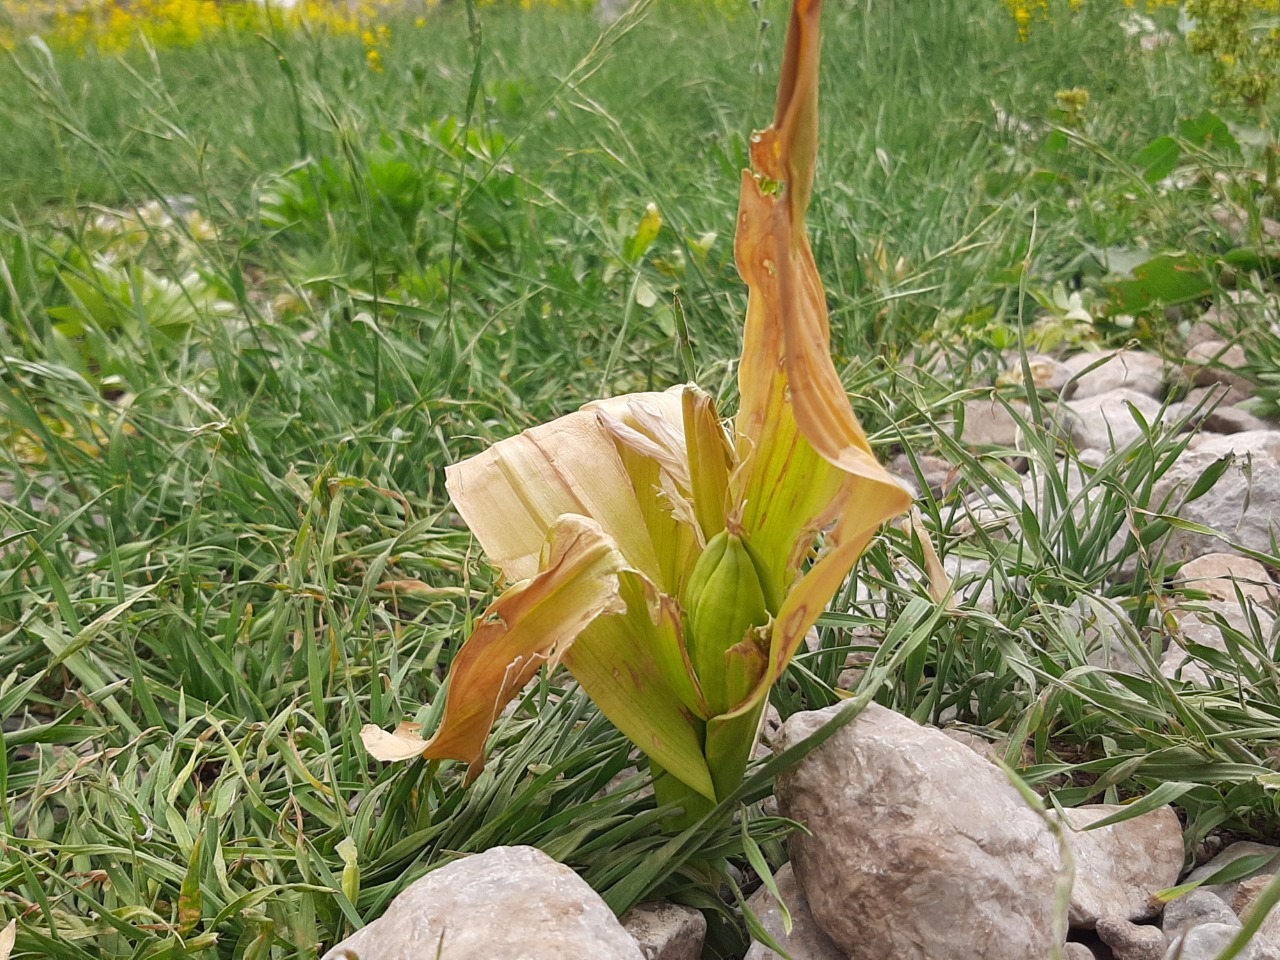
508, 903
908, 824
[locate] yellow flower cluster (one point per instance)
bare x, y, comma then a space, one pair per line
1026, 12
113, 26
110, 26
1240, 41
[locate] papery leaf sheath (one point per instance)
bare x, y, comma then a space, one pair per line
511, 494
531, 623
648, 431
804, 460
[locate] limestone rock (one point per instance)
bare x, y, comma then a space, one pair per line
508, 903
935, 473
1241, 505
1233, 419
1201, 403
1208, 940
988, 423
1131, 941
1047, 373
1122, 370
1106, 421
1109, 641
1253, 444
983, 747
1120, 866
919, 848
1216, 361
1243, 904
806, 940
666, 931
1241, 848
1202, 623
1195, 909
1077, 951
1246, 895
1219, 574
970, 580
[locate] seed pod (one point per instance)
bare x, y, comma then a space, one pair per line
729, 594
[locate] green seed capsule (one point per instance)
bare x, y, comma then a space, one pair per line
729, 593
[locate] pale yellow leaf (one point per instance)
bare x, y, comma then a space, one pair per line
939, 582
513, 493
7, 937
401, 744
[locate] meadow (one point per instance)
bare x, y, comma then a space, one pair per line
260, 288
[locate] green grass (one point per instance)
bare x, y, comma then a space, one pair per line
228, 544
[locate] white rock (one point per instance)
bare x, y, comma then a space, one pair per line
935, 473
1199, 623
1082, 492
987, 749
1241, 848
1233, 420
969, 579
1109, 641
1119, 867
1241, 505
1200, 403
988, 423
1106, 421
920, 849
666, 931
1195, 909
1243, 905
1219, 574
1130, 941
1216, 361
806, 940
1125, 369
1208, 940
1047, 373
508, 903
1249, 443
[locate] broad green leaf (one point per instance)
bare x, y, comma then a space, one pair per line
1157, 159
1163, 280
1209, 129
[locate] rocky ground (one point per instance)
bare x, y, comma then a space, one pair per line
918, 845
